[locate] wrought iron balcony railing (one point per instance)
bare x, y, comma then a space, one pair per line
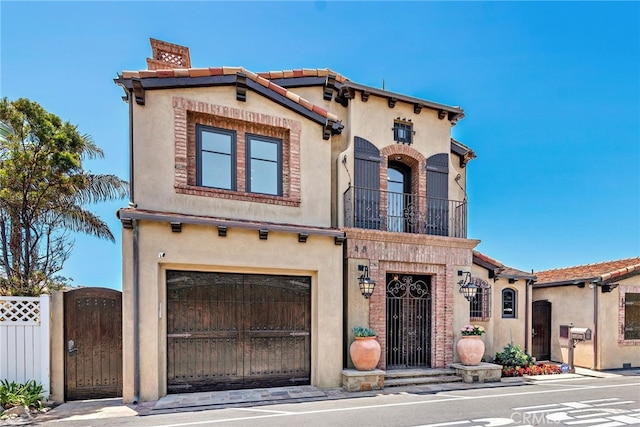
404, 213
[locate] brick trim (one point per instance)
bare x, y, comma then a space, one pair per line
188, 113
624, 289
420, 255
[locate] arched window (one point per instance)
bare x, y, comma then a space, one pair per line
508, 304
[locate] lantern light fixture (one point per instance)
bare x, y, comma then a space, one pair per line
367, 285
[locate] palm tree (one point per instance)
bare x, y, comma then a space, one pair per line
43, 193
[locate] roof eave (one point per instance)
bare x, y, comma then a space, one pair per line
458, 113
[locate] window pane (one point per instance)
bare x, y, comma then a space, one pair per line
265, 150
216, 170
218, 142
264, 177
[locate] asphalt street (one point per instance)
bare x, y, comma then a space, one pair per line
583, 401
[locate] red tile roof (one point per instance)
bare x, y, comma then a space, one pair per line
602, 271
501, 269
256, 77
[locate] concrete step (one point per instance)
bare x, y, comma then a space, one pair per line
406, 377
428, 380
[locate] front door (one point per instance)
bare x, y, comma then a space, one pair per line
541, 340
236, 331
408, 321
93, 343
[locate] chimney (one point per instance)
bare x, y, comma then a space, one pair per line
168, 56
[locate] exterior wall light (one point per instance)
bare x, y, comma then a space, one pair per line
467, 289
366, 284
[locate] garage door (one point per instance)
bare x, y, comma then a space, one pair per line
234, 331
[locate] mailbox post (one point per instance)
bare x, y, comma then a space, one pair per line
576, 335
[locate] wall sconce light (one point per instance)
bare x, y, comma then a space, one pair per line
467, 289
366, 284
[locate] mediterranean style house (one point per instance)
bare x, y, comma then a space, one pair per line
604, 297
264, 206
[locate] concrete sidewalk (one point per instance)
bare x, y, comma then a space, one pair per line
187, 402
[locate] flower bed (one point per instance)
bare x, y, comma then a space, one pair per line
537, 369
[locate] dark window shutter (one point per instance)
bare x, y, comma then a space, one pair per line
438, 194
367, 184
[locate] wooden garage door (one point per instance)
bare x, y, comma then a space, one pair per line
233, 331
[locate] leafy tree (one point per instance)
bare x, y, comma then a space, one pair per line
43, 190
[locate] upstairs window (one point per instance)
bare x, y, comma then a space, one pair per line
402, 131
508, 304
216, 158
264, 165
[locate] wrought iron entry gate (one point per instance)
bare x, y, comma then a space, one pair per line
408, 321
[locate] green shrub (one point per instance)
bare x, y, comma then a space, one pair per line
17, 394
361, 331
513, 356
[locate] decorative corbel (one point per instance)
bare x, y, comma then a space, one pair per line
302, 237
326, 130
343, 97
263, 234
138, 91
339, 240
442, 114
222, 230
392, 102
417, 108
364, 96
127, 223
241, 87
176, 227
329, 86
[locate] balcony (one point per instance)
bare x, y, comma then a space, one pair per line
404, 213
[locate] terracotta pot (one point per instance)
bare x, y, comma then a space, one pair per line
365, 353
470, 350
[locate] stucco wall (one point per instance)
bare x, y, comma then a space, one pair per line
155, 165
373, 120
613, 350
502, 331
569, 304
200, 248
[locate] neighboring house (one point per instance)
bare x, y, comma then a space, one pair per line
256, 202
502, 304
604, 297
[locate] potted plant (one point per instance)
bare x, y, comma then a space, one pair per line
470, 347
365, 349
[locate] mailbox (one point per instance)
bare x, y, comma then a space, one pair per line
580, 334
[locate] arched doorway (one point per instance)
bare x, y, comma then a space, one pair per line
399, 203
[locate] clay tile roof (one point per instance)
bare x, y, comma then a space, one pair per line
501, 269
599, 272
488, 259
260, 78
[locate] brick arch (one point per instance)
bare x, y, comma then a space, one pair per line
410, 157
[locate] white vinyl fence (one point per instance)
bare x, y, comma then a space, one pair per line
24, 340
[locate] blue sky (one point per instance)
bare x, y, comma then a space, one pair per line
550, 91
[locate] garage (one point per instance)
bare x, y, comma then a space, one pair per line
230, 331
